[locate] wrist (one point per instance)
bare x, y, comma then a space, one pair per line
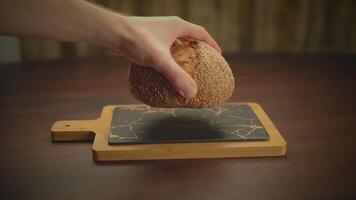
111, 32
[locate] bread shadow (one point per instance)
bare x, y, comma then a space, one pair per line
179, 129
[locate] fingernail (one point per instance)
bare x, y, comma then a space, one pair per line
190, 91
220, 51
189, 94
181, 93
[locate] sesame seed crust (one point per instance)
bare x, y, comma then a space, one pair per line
204, 64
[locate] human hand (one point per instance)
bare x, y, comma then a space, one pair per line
144, 40
147, 41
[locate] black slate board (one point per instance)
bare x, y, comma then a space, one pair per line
142, 124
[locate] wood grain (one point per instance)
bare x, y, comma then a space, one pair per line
311, 100
102, 151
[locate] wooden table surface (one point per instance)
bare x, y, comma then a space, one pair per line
310, 98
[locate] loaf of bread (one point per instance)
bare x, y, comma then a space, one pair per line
204, 64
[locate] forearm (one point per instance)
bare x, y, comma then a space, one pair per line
62, 20
144, 40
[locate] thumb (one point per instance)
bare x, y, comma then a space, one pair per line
181, 81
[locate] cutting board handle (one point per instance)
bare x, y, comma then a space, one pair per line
78, 130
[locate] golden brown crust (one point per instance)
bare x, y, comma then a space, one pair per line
206, 66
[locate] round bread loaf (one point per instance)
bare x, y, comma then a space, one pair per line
204, 64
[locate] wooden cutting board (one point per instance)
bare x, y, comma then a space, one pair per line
140, 132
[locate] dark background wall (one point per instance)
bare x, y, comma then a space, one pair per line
302, 26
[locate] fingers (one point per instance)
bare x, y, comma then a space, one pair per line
198, 32
181, 81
